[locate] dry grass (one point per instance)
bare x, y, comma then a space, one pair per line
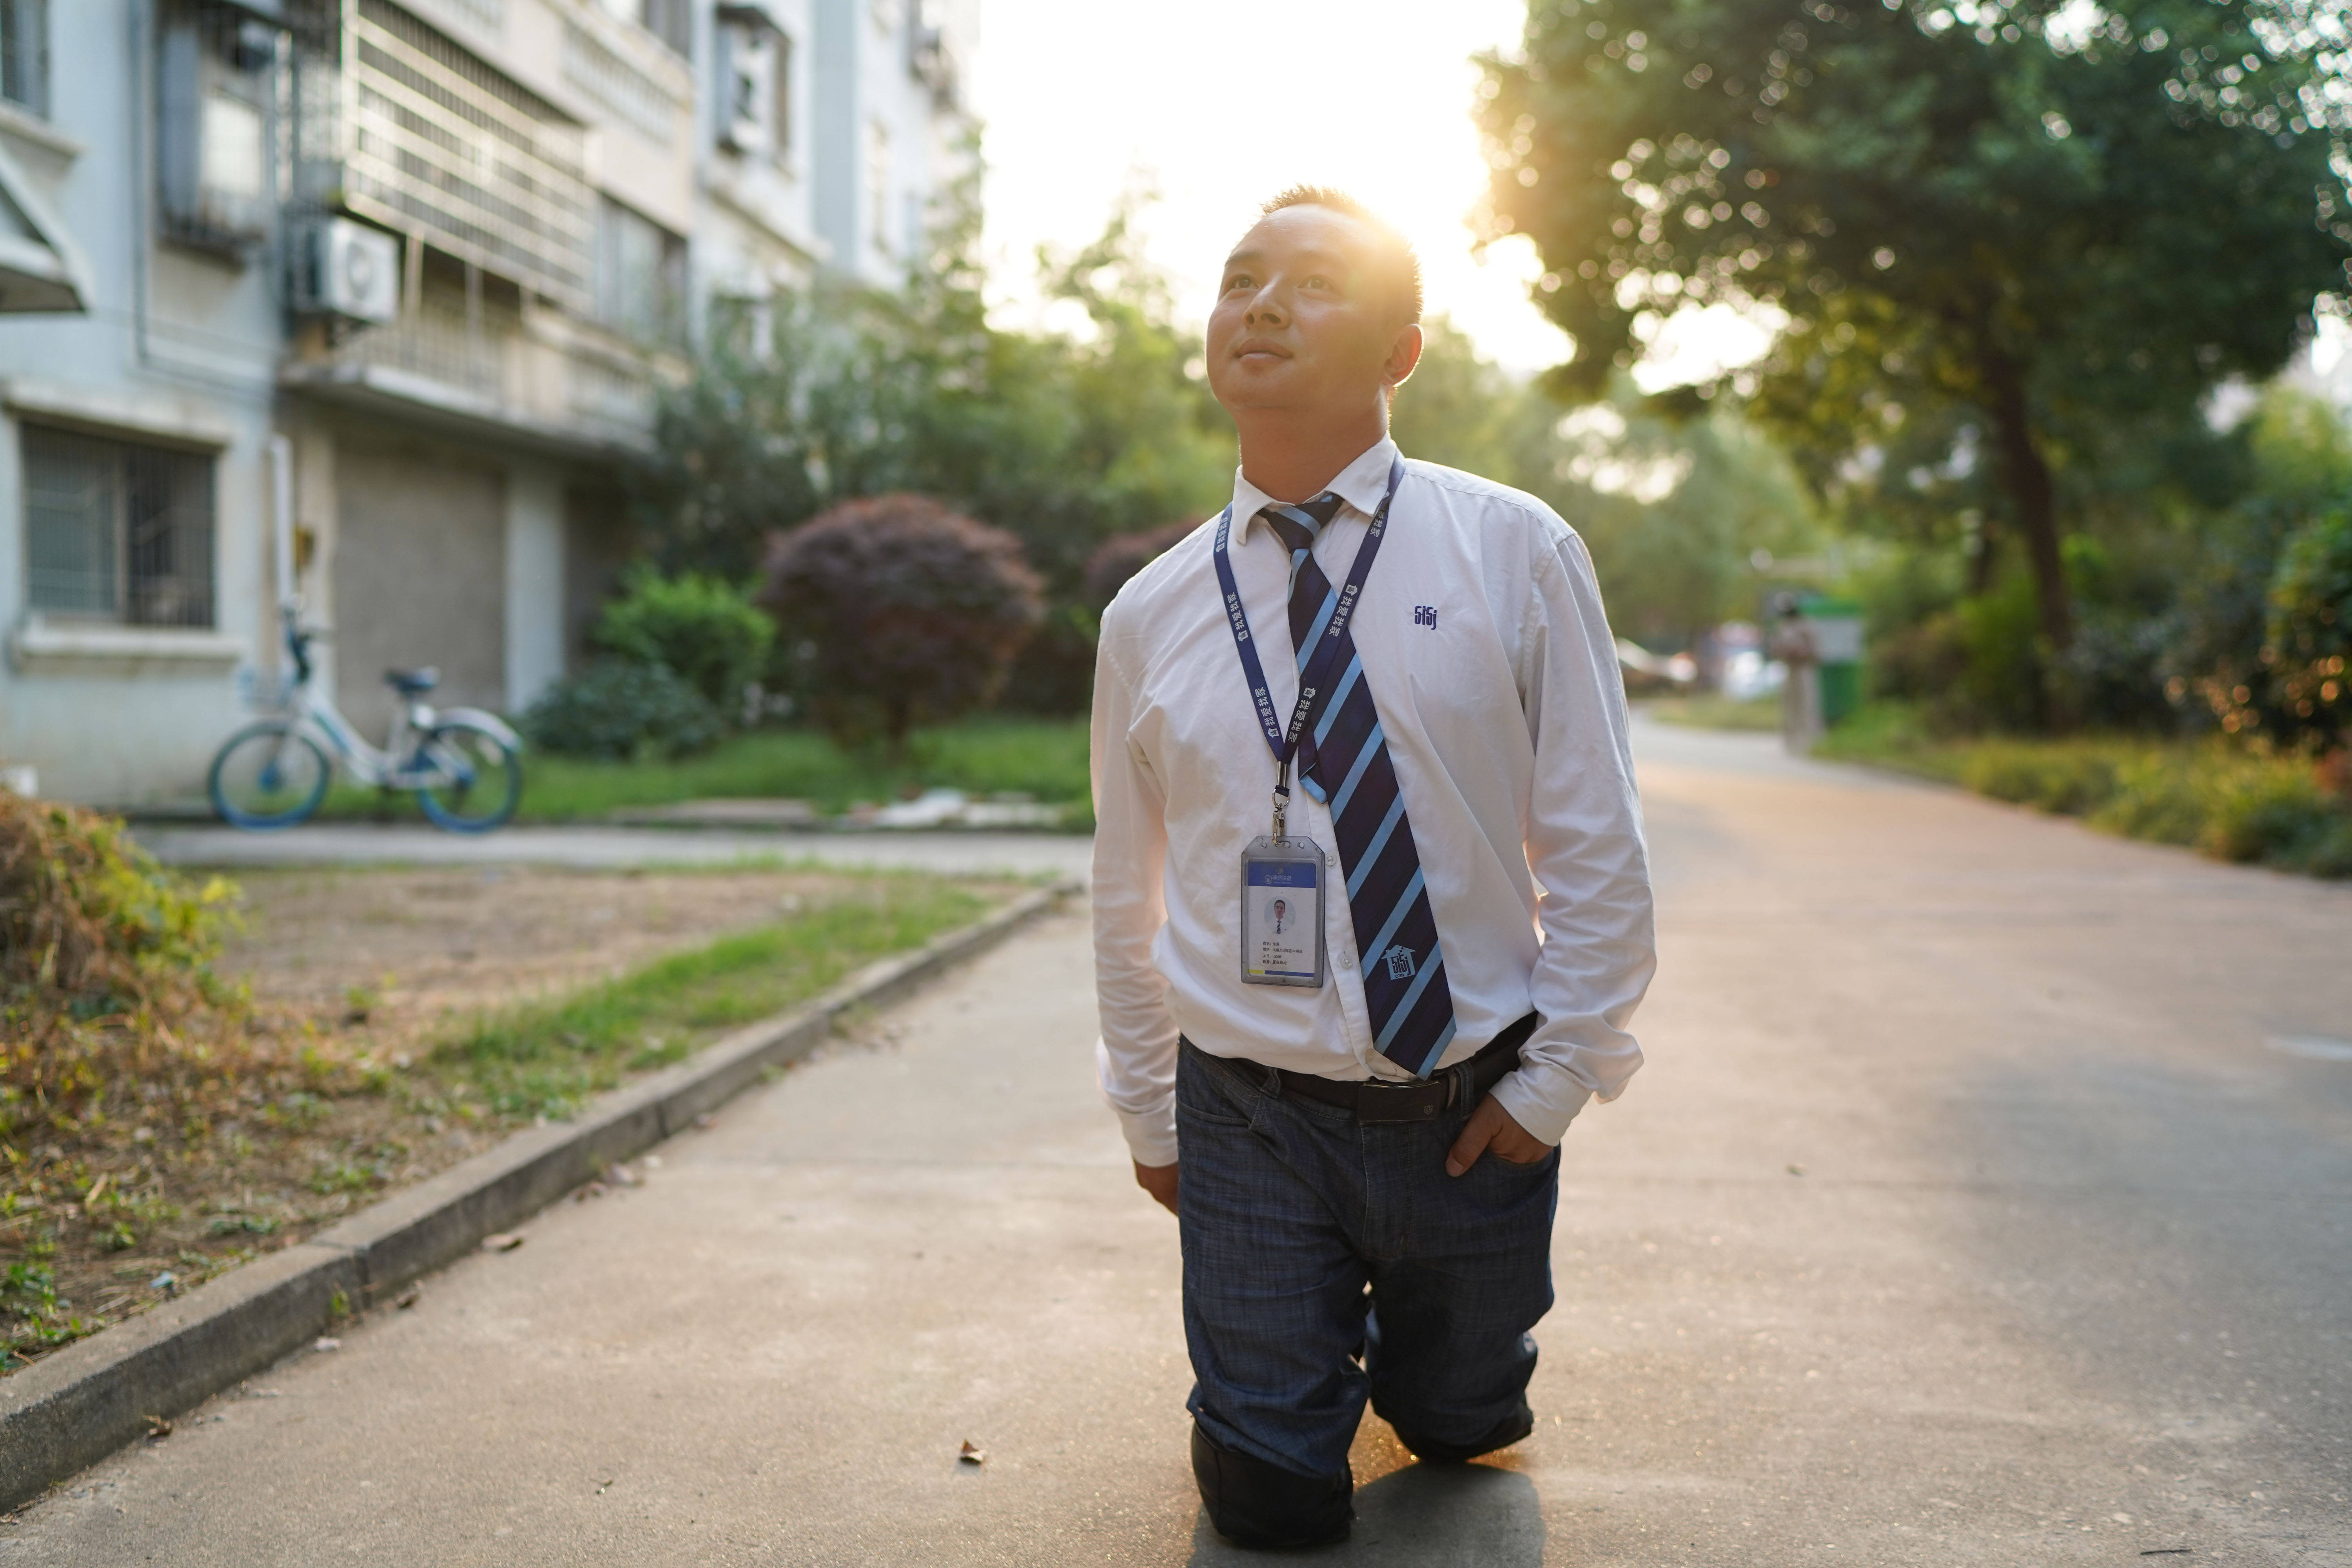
324, 1036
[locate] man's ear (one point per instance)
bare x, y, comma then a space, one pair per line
1404, 354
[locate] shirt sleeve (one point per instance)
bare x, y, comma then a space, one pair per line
1586, 850
1135, 1061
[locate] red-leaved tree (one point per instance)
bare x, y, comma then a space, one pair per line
902, 612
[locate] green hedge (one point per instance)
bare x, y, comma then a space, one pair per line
2224, 800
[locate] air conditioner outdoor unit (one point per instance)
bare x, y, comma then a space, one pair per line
351, 270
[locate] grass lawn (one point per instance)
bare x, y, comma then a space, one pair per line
547, 1059
1713, 711
1044, 757
2226, 800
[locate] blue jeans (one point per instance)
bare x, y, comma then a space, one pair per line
1328, 1260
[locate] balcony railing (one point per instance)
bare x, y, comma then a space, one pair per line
540, 374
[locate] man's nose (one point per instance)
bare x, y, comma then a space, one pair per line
1266, 311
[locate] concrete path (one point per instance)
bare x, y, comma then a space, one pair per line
593, 847
1964, 1214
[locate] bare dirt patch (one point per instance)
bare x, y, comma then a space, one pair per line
365, 978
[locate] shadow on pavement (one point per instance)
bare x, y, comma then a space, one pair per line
1422, 1516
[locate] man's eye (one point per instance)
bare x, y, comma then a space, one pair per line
1236, 281
1316, 281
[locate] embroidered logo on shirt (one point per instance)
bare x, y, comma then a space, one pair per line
1425, 616
1400, 961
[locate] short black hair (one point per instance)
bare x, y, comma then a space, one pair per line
1398, 264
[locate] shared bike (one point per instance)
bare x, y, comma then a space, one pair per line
463, 764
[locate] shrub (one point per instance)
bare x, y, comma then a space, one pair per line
621, 711
2156, 798
2310, 641
1122, 555
106, 985
911, 613
2070, 780
700, 628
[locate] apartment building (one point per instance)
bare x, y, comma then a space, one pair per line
439, 255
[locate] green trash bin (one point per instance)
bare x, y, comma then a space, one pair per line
1836, 626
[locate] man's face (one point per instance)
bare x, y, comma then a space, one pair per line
1301, 321
1280, 909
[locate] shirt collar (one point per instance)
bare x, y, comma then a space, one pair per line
1361, 484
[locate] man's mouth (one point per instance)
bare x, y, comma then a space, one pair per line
1257, 348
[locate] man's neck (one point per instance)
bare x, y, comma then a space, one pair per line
1293, 455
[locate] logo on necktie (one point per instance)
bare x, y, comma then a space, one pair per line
1400, 960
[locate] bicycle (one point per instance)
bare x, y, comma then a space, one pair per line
465, 765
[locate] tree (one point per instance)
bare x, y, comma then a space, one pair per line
2010, 226
1063, 438
1672, 510
910, 613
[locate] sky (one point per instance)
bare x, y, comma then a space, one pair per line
1217, 104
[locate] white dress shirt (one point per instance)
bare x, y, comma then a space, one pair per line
1496, 677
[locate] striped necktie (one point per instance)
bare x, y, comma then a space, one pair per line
1343, 761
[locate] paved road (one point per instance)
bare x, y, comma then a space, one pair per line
2066, 1276
363, 844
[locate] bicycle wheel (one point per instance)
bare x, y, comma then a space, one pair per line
267, 776
476, 778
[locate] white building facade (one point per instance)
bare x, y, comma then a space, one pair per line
449, 250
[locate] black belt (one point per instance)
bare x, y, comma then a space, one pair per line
1374, 1100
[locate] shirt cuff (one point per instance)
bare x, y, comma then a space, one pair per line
1150, 1134
1543, 1101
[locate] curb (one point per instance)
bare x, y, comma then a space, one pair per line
78, 1405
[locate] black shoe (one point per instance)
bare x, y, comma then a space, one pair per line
1264, 1505
1502, 1435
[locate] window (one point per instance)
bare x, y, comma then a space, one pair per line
116, 530
747, 87
25, 54
671, 21
640, 276
214, 84
780, 117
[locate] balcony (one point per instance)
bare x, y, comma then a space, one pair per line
487, 362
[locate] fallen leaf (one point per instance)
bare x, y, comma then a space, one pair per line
706, 1122
620, 1175
158, 1428
503, 1241
592, 1190
167, 1282
327, 1342
1796, 1170
974, 1453
409, 1298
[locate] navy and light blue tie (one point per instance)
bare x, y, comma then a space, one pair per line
1343, 761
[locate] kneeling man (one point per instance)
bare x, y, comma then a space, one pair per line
1386, 691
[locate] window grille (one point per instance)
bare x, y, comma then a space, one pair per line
444, 146
116, 530
216, 85
25, 54
640, 276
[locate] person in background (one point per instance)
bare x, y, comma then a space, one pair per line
1800, 693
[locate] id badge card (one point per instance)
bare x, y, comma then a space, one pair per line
1282, 912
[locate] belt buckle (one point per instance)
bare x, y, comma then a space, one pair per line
1410, 1099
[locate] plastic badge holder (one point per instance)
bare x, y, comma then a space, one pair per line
1282, 912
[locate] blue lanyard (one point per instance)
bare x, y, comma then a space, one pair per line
1284, 743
